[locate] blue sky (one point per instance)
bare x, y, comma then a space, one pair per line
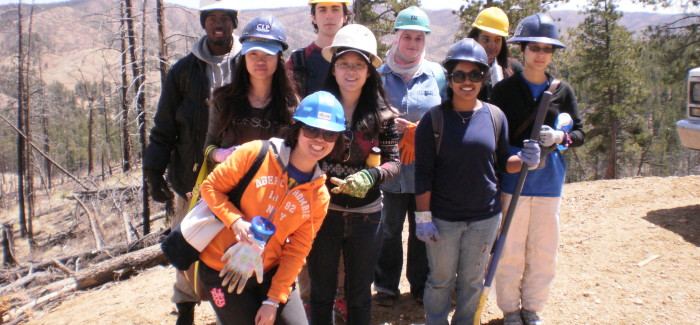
625, 5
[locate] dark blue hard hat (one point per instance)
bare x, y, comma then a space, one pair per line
537, 28
468, 50
265, 27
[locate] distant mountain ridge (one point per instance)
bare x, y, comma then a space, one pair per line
82, 34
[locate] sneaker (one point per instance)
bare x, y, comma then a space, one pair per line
512, 318
530, 317
384, 299
340, 308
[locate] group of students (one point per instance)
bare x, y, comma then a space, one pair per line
352, 146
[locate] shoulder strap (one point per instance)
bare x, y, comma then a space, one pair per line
497, 121
299, 63
436, 116
552, 87
235, 195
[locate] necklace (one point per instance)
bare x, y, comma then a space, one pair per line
465, 119
259, 102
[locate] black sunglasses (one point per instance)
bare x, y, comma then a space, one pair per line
461, 76
537, 49
314, 132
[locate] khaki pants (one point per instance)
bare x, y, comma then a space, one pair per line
182, 290
528, 261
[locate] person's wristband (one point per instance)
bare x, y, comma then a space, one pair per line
271, 303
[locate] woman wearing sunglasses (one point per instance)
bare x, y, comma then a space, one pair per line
457, 197
289, 191
260, 100
490, 29
356, 170
527, 265
413, 85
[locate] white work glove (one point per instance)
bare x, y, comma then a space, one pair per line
425, 228
219, 155
550, 137
242, 259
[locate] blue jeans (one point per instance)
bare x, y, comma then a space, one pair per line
387, 274
359, 236
463, 249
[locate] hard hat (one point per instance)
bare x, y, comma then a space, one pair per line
321, 110
537, 28
265, 27
347, 2
216, 5
354, 37
492, 20
468, 50
207, 6
412, 18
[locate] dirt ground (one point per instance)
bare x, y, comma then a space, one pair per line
628, 254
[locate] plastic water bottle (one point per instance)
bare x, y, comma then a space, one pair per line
262, 229
563, 123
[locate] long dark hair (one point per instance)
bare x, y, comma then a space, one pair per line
502, 57
372, 108
283, 95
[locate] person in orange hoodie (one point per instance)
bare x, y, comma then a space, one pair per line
289, 190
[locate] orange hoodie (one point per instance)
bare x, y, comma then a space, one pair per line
297, 212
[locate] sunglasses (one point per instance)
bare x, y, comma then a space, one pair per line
461, 76
313, 132
537, 49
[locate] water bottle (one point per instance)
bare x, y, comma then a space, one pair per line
563, 123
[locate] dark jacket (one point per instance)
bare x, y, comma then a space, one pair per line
486, 92
513, 96
180, 124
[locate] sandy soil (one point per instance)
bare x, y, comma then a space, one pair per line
628, 255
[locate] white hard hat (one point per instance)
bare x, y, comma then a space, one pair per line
354, 37
216, 5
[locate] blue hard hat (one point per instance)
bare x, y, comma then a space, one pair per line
265, 27
537, 28
468, 50
321, 110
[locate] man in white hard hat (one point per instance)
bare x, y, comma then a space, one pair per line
180, 124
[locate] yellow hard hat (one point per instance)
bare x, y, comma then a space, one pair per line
492, 20
347, 2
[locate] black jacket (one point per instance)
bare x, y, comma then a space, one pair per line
180, 124
514, 98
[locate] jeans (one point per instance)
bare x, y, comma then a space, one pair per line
359, 236
463, 249
233, 308
387, 274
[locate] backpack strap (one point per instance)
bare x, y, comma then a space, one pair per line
235, 195
299, 63
497, 122
552, 87
438, 124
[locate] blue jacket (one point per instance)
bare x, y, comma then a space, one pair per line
412, 99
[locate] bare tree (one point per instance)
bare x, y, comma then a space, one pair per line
163, 48
20, 123
126, 139
29, 158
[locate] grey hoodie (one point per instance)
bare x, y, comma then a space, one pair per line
218, 67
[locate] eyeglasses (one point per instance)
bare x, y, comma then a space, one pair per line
314, 132
461, 76
537, 49
347, 66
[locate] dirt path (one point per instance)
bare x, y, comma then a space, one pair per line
608, 228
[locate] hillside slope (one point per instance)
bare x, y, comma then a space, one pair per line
607, 229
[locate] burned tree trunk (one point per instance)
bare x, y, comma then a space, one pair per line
20, 124
126, 139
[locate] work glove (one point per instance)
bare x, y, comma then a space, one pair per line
219, 155
530, 154
245, 257
355, 185
157, 186
550, 137
425, 228
407, 144
242, 259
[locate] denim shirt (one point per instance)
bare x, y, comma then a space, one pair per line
412, 99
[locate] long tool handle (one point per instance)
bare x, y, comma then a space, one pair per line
498, 248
